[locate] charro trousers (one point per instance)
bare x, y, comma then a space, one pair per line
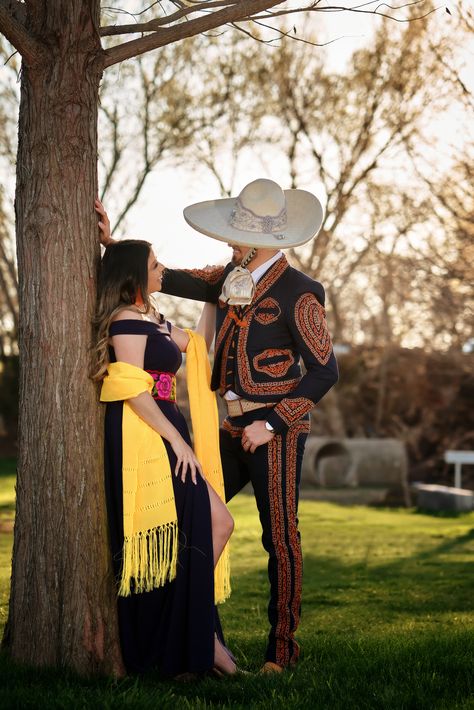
274, 471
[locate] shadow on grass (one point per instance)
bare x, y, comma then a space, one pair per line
448, 514
430, 672
342, 594
423, 583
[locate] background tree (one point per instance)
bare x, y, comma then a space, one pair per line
62, 597
387, 251
447, 172
352, 133
8, 272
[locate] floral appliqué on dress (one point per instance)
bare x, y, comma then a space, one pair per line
164, 385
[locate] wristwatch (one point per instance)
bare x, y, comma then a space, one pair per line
269, 427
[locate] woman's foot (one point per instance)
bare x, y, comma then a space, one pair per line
223, 662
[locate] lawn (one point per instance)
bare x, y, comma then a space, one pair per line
387, 622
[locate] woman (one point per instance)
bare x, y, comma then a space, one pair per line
174, 626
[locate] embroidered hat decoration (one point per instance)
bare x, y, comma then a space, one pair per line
263, 215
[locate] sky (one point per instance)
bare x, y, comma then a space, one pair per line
158, 215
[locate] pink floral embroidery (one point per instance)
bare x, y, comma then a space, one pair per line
164, 386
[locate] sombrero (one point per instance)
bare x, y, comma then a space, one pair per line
263, 215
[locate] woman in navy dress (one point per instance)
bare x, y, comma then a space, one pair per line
175, 628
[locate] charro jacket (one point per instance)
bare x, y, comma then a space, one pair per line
259, 347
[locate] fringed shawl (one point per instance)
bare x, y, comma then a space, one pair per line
205, 420
150, 522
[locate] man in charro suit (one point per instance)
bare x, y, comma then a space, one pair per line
269, 317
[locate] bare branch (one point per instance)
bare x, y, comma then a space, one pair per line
159, 22
280, 34
116, 153
237, 11
454, 76
14, 30
358, 9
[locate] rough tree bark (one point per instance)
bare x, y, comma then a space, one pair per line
62, 605
60, 558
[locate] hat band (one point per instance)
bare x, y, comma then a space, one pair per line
247, 221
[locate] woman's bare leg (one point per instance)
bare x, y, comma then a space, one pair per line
222, 523
222, 527
222, 661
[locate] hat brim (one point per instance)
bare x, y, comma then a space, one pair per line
305, 216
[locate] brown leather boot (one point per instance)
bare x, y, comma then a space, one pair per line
270, 667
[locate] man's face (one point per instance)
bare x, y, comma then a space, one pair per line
238, 253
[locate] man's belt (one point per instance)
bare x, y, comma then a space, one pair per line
237, 407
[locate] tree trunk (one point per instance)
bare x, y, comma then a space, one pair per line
62, 605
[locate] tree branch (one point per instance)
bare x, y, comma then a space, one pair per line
14, 30
159, 22
237, 11
17, 9
358, 9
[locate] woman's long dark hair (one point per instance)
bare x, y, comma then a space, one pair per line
123, 278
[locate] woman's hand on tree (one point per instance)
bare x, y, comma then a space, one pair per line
185, 458
104, 224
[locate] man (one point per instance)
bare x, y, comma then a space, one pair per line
268, 317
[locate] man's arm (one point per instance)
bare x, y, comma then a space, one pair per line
196, 284
307, 322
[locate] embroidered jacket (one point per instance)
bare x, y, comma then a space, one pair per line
258, 347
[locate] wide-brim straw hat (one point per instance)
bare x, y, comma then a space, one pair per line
263, 215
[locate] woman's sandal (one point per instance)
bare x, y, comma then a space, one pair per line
218, 673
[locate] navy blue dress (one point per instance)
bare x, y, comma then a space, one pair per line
170, 629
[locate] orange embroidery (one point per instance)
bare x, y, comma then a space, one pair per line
268, 311
293, 535
234, 431
226, 324
290, 410
277, 368
249, 385
310, 318
241, 323
212, 275
224, 366
268, 279
286, 540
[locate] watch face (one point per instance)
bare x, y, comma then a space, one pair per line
268, 426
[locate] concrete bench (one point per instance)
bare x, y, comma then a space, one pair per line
430, 496
458, 458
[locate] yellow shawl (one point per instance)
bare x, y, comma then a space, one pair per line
205, 421
150, 523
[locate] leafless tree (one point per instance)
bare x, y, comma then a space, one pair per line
8, 274
347, 134
62, 598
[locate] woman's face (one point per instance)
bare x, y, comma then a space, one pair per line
155, 273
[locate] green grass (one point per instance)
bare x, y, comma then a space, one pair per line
7, 513
387, 622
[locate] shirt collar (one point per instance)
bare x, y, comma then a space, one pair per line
263, 268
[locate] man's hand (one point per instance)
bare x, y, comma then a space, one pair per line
104, 224
254, 435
